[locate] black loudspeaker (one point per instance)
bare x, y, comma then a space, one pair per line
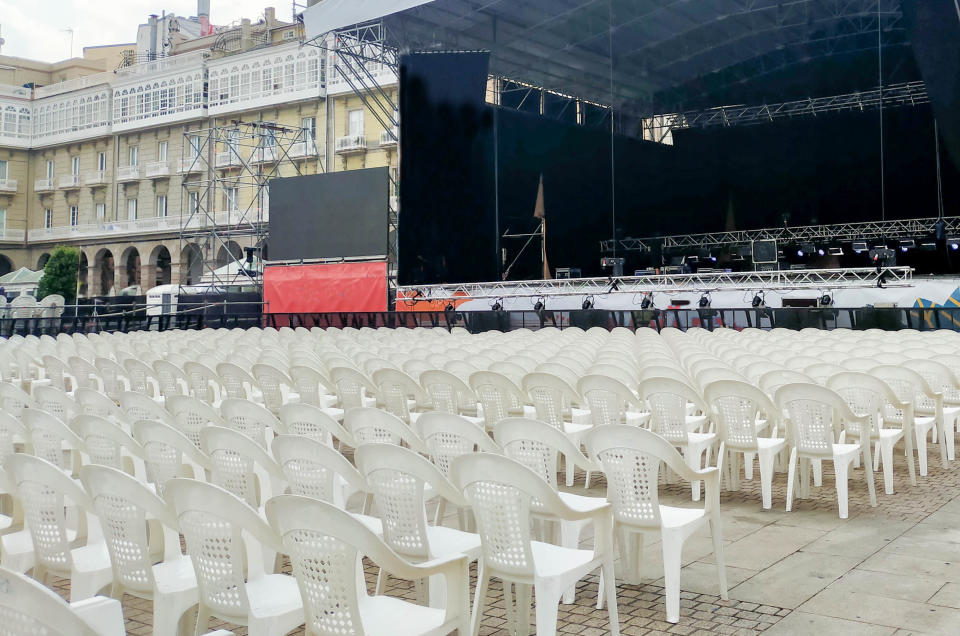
764, 251
934, 28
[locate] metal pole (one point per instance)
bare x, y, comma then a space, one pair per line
883, 185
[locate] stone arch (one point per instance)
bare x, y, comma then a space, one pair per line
130, 262
191, 264
103, 266
160, 271
6, 265
226, 250
42, 261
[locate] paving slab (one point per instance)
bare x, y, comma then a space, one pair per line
860, 537
804, 623
794, 580
767, 546
912, 587
885, 611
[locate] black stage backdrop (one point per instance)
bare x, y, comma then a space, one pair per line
804, 171
448, 223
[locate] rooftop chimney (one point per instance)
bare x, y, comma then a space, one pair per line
203, 15
270, 16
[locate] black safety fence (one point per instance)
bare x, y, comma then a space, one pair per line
245, 310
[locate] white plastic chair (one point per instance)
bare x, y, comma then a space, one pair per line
815, 415
171, 378
143, 379
449, 394
610, 401
241, 466
498, 395
226, 540
79, 554
168, 453
313, 386
276, 386
125, 506
501, 491
910, 388
314, 469
191, 415
554, 402
401, 395
631, 458
253, 420
373, 426
14, 400
107, 444
326, 546
354, 389
55, 402
139, 406
27, 608
313, 422
447, 436
204, 382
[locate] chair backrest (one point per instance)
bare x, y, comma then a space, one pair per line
939, 377
248, 418
396, 387
113, 375
606, 398
12, 431
143, 379
240, 465
865, 395
139, 406
551, 396
910, 387
735, 406
93, 402
190, 415
813, 412
312, 468
397, 476
272, 382
124, 506
351, 385
28, 608
166, 452
307, 381
311, 421
500, 491
225, 539
56, 402
668, 399
105, 442
235, 380
770, 381
43, 489
171, 378
538, 446
203, 381
497, 394
373, 426
56, 370
14, 400
448, 393
630, 458
447, 436
49, 435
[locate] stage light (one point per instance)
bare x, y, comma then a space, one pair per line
806, 248
538, 307
860, 246
906, 244
449, 307
820, 251
587, 303
799, 252
928, 246
758, 300
497, 305
646, 302
835, 251
704, 301
826, 300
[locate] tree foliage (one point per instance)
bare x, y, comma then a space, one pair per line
60, 274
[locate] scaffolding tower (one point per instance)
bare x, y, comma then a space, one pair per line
226, 197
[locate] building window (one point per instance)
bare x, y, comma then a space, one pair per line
134, 156
232, 199
309, 125
131, 209
355, 123
74, 166
194, 147
101, 209
161, 205
4, 175
50, 169
102, 162
193, 202
3, 221
162, 151
48, 218
74, 216
269, 134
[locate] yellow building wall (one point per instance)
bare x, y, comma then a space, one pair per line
15, 204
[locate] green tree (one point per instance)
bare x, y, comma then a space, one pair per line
60, 274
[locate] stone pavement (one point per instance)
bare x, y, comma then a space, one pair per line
893, 569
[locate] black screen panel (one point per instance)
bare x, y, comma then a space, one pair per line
334, 215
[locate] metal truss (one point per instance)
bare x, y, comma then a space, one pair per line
906, 94
786, 280
843, 232
233, 162
611, 246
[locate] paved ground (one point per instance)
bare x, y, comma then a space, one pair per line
893, 569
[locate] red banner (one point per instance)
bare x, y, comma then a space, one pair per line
296, 289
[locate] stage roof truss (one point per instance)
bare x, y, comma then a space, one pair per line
783, 280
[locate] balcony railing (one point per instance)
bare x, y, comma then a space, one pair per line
135, 226
8, 185
265, 155
351, 143
98, 177
43, 185
12, 235
303, 149
69, 181
227, 158
388, 138
191, 165
128, 173
157, 169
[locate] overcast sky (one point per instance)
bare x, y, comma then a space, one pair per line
35, 29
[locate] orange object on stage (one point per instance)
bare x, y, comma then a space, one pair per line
325, 288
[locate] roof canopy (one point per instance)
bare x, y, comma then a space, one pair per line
626, 52
21, 276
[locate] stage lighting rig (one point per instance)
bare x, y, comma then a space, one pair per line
758, 300
907, 244
704, 301
647, 301
497, 305
826, 300
539, 305
587, 303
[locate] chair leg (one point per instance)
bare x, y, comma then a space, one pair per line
791, 477
692, 456
943, 447
817, 472
921, 451
886, 454
480, 598
571, 470
203, 619
911, 462
748, 466
672, 546
610, 590
569, 538
868, 469
523, 607
948, 435
717, 537
842, 469
381, 582
441, 510
765, 460
546, 612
